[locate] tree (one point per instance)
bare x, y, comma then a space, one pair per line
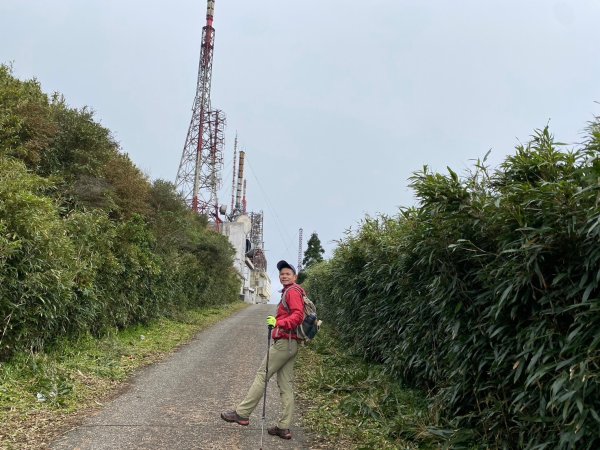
314, 251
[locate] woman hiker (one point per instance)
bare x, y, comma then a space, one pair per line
282, 355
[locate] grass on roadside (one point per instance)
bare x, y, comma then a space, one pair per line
39, 393
354, 405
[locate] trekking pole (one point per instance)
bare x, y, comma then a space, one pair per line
262, 432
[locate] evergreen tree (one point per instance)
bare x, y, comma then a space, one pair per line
314, 251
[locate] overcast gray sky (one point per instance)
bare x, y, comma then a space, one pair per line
335, 102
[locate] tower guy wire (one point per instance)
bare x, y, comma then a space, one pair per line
286, 240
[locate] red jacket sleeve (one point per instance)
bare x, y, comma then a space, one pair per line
295, 304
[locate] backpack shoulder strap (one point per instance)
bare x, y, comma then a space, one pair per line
284, 295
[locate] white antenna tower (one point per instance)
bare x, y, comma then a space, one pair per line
299, 250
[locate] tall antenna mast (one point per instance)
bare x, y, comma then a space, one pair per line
199, 174
244, 203
235, 144
299, 250
240, 182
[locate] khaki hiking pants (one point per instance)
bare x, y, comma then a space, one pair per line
282, 356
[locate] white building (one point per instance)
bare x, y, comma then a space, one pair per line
255, 285
261, 283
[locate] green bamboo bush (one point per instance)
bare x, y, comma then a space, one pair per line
486, 294
87, 243
37, 263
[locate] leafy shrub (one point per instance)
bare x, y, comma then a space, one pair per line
87, 243
26, 125
37, 269
486, 294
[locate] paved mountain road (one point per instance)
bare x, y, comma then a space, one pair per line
175, 404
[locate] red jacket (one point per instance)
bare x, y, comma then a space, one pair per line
287, 321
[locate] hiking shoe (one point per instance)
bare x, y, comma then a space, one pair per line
276, 431
232, 416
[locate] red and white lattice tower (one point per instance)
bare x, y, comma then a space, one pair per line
199, 174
